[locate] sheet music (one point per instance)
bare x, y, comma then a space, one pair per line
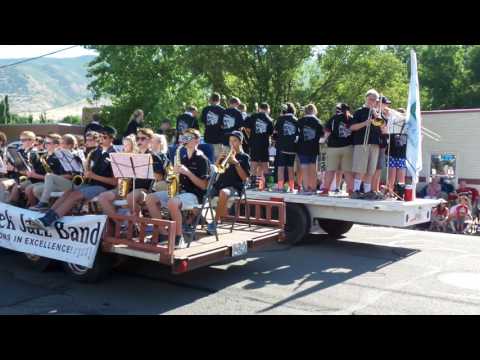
142, 165
68, 161
18, 161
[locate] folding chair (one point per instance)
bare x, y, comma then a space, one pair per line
206, 204
243, 195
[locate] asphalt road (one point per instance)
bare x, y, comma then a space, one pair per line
372, 270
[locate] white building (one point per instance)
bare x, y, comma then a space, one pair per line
457, 153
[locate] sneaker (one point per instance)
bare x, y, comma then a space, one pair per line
36, 223
357, 195
40, 207
180, 243
211, 228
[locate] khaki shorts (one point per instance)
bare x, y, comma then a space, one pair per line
365, 159
340, 158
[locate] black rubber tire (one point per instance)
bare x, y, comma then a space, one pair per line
38, 263
101, 269
335, 228
298, 223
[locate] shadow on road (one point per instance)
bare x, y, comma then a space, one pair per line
317, 263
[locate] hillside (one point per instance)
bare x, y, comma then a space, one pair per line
45, 84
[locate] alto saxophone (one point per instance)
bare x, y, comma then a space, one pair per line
172, 178
46, 167
124, 187
78, 180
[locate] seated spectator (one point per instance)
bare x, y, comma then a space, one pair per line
439, 217
460, 215
434, 189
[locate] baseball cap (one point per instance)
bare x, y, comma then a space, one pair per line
237, 134
385, 100
110, 130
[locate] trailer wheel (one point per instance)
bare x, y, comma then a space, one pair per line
297, 224
101, 268
335, 228
38, 263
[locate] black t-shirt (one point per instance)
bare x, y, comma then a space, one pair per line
36, 164
101, 166
232, 120
230, 177
132, 128
340, 133
287, 133
211, 117
398, 145
199, 165
311, 130
186, 121
144, 183
358, 136
261, 126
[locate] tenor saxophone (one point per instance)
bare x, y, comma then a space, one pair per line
172, 178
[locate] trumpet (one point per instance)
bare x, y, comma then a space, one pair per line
224, 165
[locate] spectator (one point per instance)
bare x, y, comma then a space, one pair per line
463, 189
460, 216
165, 126
135, 123
434, 189
159, 144
439, 217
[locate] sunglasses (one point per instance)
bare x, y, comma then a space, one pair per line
49, 143
25, 140
141, 138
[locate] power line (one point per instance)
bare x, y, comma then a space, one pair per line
37, 57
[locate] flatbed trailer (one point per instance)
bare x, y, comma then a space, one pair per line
139, 238
337, 214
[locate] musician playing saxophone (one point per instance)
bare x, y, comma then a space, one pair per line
143, 186
58, 180
99, 175
35, 173
107, 198
194, 172
50, 165
232, 181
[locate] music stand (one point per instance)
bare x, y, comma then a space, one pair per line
132, 166
19, 162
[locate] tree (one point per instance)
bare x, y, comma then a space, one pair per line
255, 73
346, 72
153, 78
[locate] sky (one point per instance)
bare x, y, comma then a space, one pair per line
29, 51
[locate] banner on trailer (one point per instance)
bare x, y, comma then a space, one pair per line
73, 239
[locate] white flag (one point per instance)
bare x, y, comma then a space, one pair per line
414, 123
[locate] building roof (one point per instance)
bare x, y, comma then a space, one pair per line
452, 111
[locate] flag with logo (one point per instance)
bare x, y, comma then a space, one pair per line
414, 123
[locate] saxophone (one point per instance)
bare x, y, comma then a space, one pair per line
172, 178
43, 161
78, 180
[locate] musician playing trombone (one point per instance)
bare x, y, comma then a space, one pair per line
366, 140
58, 180
98, 174
232, 180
